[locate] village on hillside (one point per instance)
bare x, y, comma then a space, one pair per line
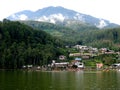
83, 58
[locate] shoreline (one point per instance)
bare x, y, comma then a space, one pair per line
67, 70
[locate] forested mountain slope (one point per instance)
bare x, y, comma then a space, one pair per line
70, 33
80, 33
109, 38
22, 45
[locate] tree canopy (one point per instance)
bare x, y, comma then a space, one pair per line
22, 45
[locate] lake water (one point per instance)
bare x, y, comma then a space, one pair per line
82, 80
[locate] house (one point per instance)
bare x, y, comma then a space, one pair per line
27, 66
103, 50
74, 54
116, 65
77, 62
78, 59
99, 65
109, 52
62, 57
81, 47
85, 56
62, 64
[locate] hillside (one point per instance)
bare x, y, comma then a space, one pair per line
22, 45
81, 34
109, 38
70, 33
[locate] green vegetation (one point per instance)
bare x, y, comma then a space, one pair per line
22, 45
80, 33
69, 33
108, 38
106, 59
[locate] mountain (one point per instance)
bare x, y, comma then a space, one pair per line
60, 15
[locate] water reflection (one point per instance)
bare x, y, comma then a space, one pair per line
118, 80
82, 80
79, 80
67, 80
101, 81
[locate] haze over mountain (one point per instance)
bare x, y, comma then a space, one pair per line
60, 15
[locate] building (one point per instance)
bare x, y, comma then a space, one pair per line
59, 66
77, 62
116, 65
62, 57
78, 59
99, 65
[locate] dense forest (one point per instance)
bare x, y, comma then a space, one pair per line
22, 45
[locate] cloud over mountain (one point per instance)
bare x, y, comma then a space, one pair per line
60, 14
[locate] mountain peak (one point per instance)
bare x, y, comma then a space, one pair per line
59, 14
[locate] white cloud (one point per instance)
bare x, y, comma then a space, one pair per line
23, 17
102, 24
58, 16
79, 17
52, 18
44, 18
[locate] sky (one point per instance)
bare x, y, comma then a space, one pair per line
105, 9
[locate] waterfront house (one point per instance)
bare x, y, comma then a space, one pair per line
27, 66
61, 65
99, 65
116, 65
77, 62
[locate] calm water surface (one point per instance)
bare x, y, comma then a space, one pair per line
83, 80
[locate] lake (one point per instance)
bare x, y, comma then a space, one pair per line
82, 80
